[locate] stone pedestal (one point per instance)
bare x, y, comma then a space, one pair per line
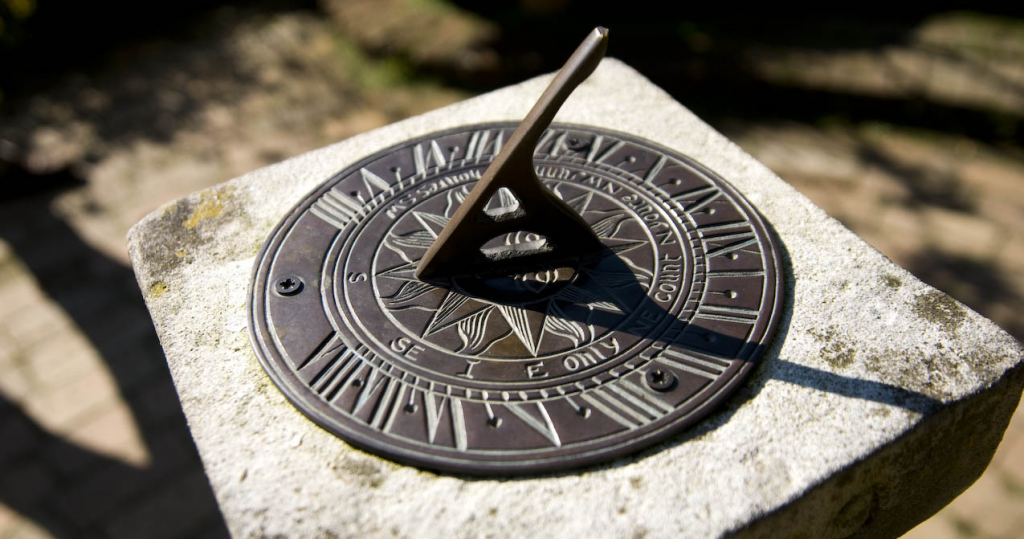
880, 400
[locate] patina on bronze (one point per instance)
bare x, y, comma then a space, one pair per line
559, 363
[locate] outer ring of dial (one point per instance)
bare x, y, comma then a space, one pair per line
367, 438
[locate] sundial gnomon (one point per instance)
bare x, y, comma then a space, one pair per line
515, 367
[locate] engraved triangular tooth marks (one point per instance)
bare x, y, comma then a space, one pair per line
542, 425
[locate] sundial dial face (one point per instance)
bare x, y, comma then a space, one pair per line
542, 369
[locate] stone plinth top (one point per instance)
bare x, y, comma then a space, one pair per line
878, 402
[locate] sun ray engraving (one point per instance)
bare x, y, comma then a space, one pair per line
562, 313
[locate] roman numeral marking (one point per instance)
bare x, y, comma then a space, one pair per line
423, 159
332, 378
336, 208
546, 429
730, 248
387, 407
725, 273
593, 156
369, 386
700, 191
434, 412
626, 403
372, 181
691, 363
458, 424
479, 145
655, 169
723, 226
559, 137
723, 317
314, 364
702, 202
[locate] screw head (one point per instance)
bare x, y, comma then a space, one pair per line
660, 379
288, 285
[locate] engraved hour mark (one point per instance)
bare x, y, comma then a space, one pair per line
336, 208
426, 158
597, 154
706, 367
481, 144
542, 425
627, 403
372, 182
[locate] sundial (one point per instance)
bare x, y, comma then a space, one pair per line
507, 298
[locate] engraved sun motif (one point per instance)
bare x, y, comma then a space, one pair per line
520, 316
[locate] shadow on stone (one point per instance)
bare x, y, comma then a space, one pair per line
92, 493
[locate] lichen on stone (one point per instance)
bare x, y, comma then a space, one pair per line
938, 308
158, 289
835, 351
892, 281
211, 204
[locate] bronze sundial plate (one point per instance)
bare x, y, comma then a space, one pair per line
533, 372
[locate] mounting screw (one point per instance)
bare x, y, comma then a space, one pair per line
288, 285
660, 380
576, 144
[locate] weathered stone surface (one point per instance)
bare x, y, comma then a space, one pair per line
880, 400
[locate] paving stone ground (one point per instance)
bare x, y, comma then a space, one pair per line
92, 439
